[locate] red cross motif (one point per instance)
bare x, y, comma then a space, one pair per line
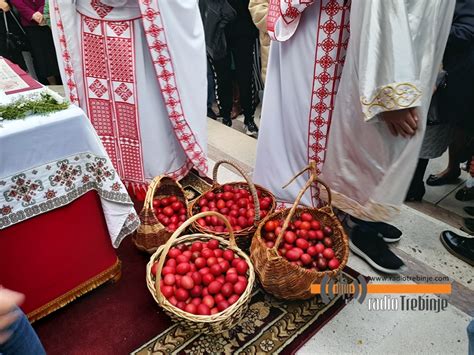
154, 30
101, 9
331, 39
66, 56
97, 88
166, 75
158, 46
165, 72
168, 89
162, 61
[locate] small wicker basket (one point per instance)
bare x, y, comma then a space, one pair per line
212, 324
151, 233
277, 275
243, 236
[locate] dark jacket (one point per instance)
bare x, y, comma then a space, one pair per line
216, 14
242, 25
457, 100
460, 46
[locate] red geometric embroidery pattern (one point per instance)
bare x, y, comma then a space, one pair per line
94, 56
123, 91
127, 127
115, 121
100, 113
97, 88
163, 63
118, 27
289, 11
91, 23
332, 38
68, 71
101, 9
121, 59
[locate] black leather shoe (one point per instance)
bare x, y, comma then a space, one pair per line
211, 114
415, 194
460, 247
435, 180
465, 194
469, 210
469, 225
227, 122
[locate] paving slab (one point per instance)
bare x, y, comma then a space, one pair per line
421, 240
357, 330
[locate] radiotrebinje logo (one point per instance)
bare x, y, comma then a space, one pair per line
330, 288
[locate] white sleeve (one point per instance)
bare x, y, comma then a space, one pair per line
284, 16
388, 70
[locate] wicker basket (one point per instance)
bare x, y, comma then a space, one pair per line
277, 275
212, 324
243, 236
151, 233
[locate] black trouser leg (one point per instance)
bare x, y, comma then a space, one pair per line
242, 51
417, 186
224, 85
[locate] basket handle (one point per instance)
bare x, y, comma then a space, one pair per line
252, 188
177, 233
312, 179
151, 191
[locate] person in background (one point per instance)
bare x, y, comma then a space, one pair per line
40, 38
17, 337
215, 16
437, 138
240, 36
7, 19
457, 100
259, 9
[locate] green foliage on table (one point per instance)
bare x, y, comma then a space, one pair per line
23, 107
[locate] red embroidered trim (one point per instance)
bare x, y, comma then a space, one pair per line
111, 92
68, 68
331, 39
163, 63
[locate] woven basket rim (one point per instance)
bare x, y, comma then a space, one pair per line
220, 316
343, 262
242, 232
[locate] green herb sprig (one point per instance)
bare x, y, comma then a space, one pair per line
24, 106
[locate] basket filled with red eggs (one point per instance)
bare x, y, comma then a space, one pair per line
202, 281
296, 247
164, 210
243, 203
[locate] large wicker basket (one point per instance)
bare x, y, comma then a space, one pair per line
151, 233
277, 275
243, 236
212, 324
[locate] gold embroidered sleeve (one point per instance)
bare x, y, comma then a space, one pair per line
391, 97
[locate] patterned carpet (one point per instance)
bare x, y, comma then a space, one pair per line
270, 326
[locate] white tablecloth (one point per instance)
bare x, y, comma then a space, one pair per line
49, 161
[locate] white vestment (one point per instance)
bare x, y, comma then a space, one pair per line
394, 54
138, 69
302, 77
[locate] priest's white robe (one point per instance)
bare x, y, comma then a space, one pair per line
302, 78
138, 69
392, 61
